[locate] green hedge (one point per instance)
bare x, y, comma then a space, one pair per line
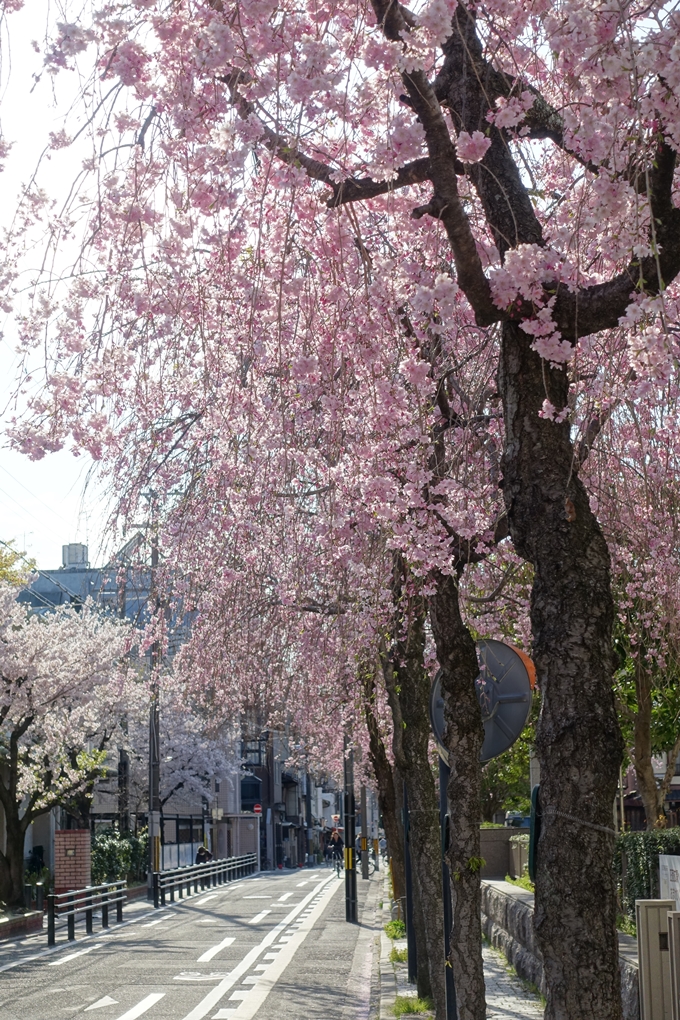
641, 851
115, 856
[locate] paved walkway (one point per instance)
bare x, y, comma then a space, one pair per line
506, 996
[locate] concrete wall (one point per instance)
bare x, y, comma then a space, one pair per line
495, 849
508, 923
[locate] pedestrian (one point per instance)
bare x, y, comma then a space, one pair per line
203, 855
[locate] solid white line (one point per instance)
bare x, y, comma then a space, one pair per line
142, 1006
216, 994
208, 955
72, 956
264, 983
259, 917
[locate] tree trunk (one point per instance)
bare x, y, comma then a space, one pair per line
390, 808
12, 862
578, 742
464, 737
652, 796
408, 688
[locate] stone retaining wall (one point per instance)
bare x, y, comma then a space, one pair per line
507, 921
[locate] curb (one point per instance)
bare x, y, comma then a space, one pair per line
388, 979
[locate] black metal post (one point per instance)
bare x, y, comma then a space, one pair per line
51, 912
105, 908
119, 905
156, 895
444, 773
70, 920
410, 928
88, 914
364, 833
39, 896
350, 838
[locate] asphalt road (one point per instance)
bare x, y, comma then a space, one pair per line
271, 947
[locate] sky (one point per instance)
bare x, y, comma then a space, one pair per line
44, 504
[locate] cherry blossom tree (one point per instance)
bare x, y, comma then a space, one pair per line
61, 696
326, 214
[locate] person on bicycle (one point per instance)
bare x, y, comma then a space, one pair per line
336, 846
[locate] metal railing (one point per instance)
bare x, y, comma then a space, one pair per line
84, 901
200, 876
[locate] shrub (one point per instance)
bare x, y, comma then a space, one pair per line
116, 856
521, 837
399, 956
641, 850
395, 930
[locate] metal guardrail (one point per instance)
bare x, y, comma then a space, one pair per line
200, 876
84, 901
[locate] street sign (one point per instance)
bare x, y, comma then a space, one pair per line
257, 808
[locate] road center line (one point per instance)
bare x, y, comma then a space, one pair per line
208, 955
216, 994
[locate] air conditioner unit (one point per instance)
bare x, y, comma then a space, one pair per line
654, 958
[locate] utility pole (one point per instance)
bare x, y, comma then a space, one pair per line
154, 721
364, 834
350, 838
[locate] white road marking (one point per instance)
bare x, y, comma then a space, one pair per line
286, 896
259, 897
270, 956
259, 917
72, 956
240, 994
196, 976
223, 1014
106, 1001
300, 884
150, 924
265, 983
212, 896
209, 953
142, 1006
216, 994
252, 979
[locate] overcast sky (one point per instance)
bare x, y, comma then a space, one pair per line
43, 505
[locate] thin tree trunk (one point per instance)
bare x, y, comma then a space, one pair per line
578, 742
464, 736
652, 796
390, 808
12, 862
408, 689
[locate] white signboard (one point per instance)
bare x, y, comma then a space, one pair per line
669, 878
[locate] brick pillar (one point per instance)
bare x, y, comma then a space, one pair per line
72, 859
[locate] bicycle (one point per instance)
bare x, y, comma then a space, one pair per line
338, 865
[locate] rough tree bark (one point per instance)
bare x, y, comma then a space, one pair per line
457, 658
408, 688
388, 781
578, 742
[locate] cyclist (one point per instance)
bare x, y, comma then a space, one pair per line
336, 848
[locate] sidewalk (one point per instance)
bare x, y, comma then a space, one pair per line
506, 996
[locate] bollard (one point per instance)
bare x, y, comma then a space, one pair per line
39, 896
28, 895
70, 920
51, 911
88, 913
156, 894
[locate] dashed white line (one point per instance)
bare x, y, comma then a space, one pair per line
142, 1006
210, 953
106, 1001
259, 917
212, 896
72, 956
286, 896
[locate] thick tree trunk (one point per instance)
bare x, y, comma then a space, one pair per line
578, 742
408, 688
390, 808
464, 736
12, 862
